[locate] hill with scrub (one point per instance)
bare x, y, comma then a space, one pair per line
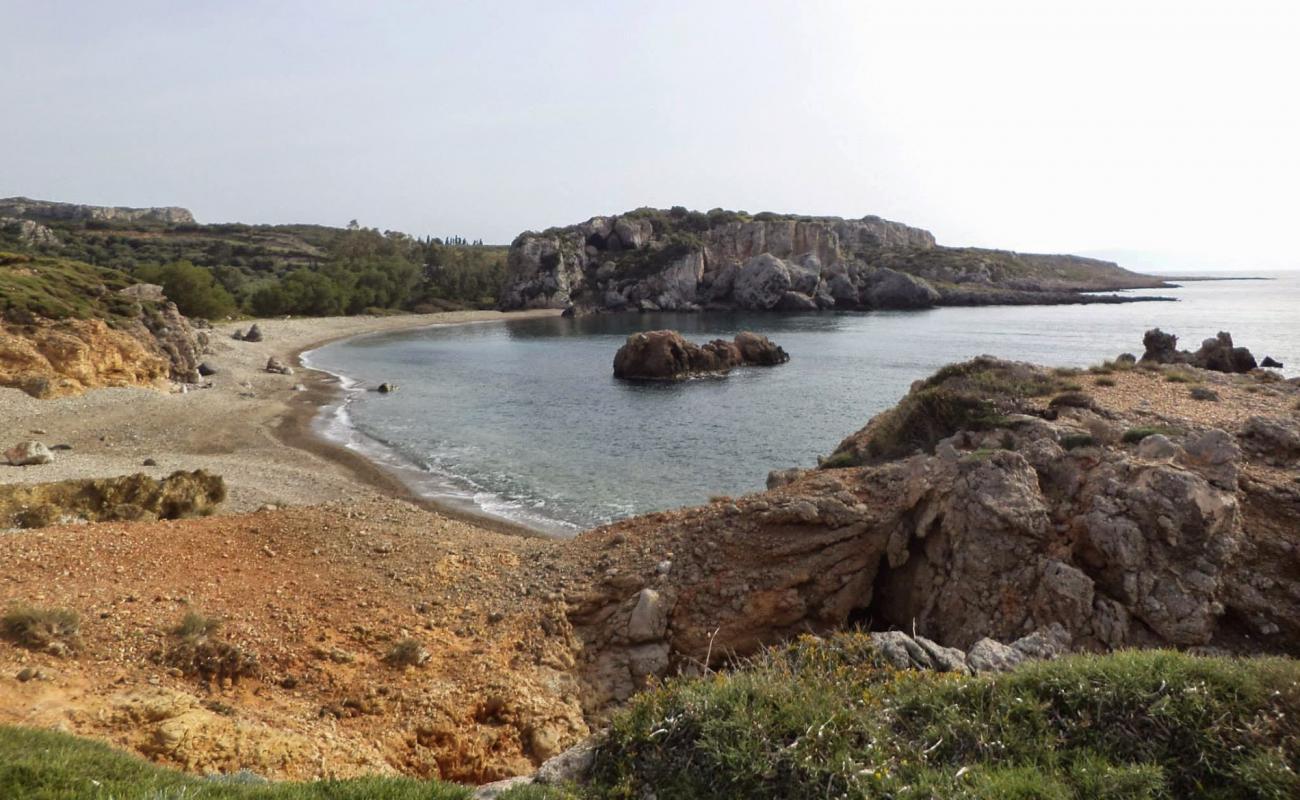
264, 270
680, 260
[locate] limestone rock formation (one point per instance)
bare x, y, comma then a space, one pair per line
46, 210
666, 356
679, 260
1217, 354
995, 528
25, 454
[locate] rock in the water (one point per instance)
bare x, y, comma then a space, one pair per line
28, 454
1218, 354
890, 289
278, 367
1271, 363
1161, 347
666, 356
206, 369
237, 334
254, 334
387, 388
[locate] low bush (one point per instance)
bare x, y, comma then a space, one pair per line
824, 718
406, 653
1078, 440
1105, 381
44, 765
54, 630
196, 652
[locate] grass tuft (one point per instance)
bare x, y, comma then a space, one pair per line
54, 630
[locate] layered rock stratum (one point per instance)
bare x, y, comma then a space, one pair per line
66, 327
679, 260
51, 211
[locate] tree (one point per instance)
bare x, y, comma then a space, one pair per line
193, 289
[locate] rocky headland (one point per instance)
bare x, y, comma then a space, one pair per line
679, 260
1001, 511
666, 356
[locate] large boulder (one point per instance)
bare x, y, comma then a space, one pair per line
666, 356
767, 282
890, 289
26, 454
1218, 353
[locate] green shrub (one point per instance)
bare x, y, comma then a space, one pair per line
55, 630
194, 290
406, 653
824, 718
44, 765
1077, 440
1104, 381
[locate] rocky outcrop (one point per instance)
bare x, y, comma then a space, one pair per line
49, 211
54, 358
1218, 354
125, 498
28, 232
678, 260
27, 454
1019, 516
666, 356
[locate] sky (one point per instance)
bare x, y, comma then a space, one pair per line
1166, 134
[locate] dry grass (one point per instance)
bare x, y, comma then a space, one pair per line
54, 630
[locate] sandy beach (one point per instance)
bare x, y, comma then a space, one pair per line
251, 427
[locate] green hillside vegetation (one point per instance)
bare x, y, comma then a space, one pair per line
827, 718
214, 271
57, 288
42, 765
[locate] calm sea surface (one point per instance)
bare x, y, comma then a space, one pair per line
525, 420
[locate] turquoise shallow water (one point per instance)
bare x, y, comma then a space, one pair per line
525, 420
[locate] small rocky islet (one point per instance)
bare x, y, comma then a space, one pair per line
667, 356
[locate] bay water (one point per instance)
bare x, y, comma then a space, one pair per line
524, 419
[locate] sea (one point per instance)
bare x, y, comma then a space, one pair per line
524, 419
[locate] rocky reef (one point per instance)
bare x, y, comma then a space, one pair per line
126, 498
996, 500
679, 260
666, 356
66, 327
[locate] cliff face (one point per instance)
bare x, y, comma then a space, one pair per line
66, 327
687, 261
49, 211
994, 501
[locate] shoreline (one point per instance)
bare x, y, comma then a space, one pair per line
297, 430
251, 427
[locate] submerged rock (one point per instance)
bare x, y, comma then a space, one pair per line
666, 356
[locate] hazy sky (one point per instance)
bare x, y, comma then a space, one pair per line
1150, 127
